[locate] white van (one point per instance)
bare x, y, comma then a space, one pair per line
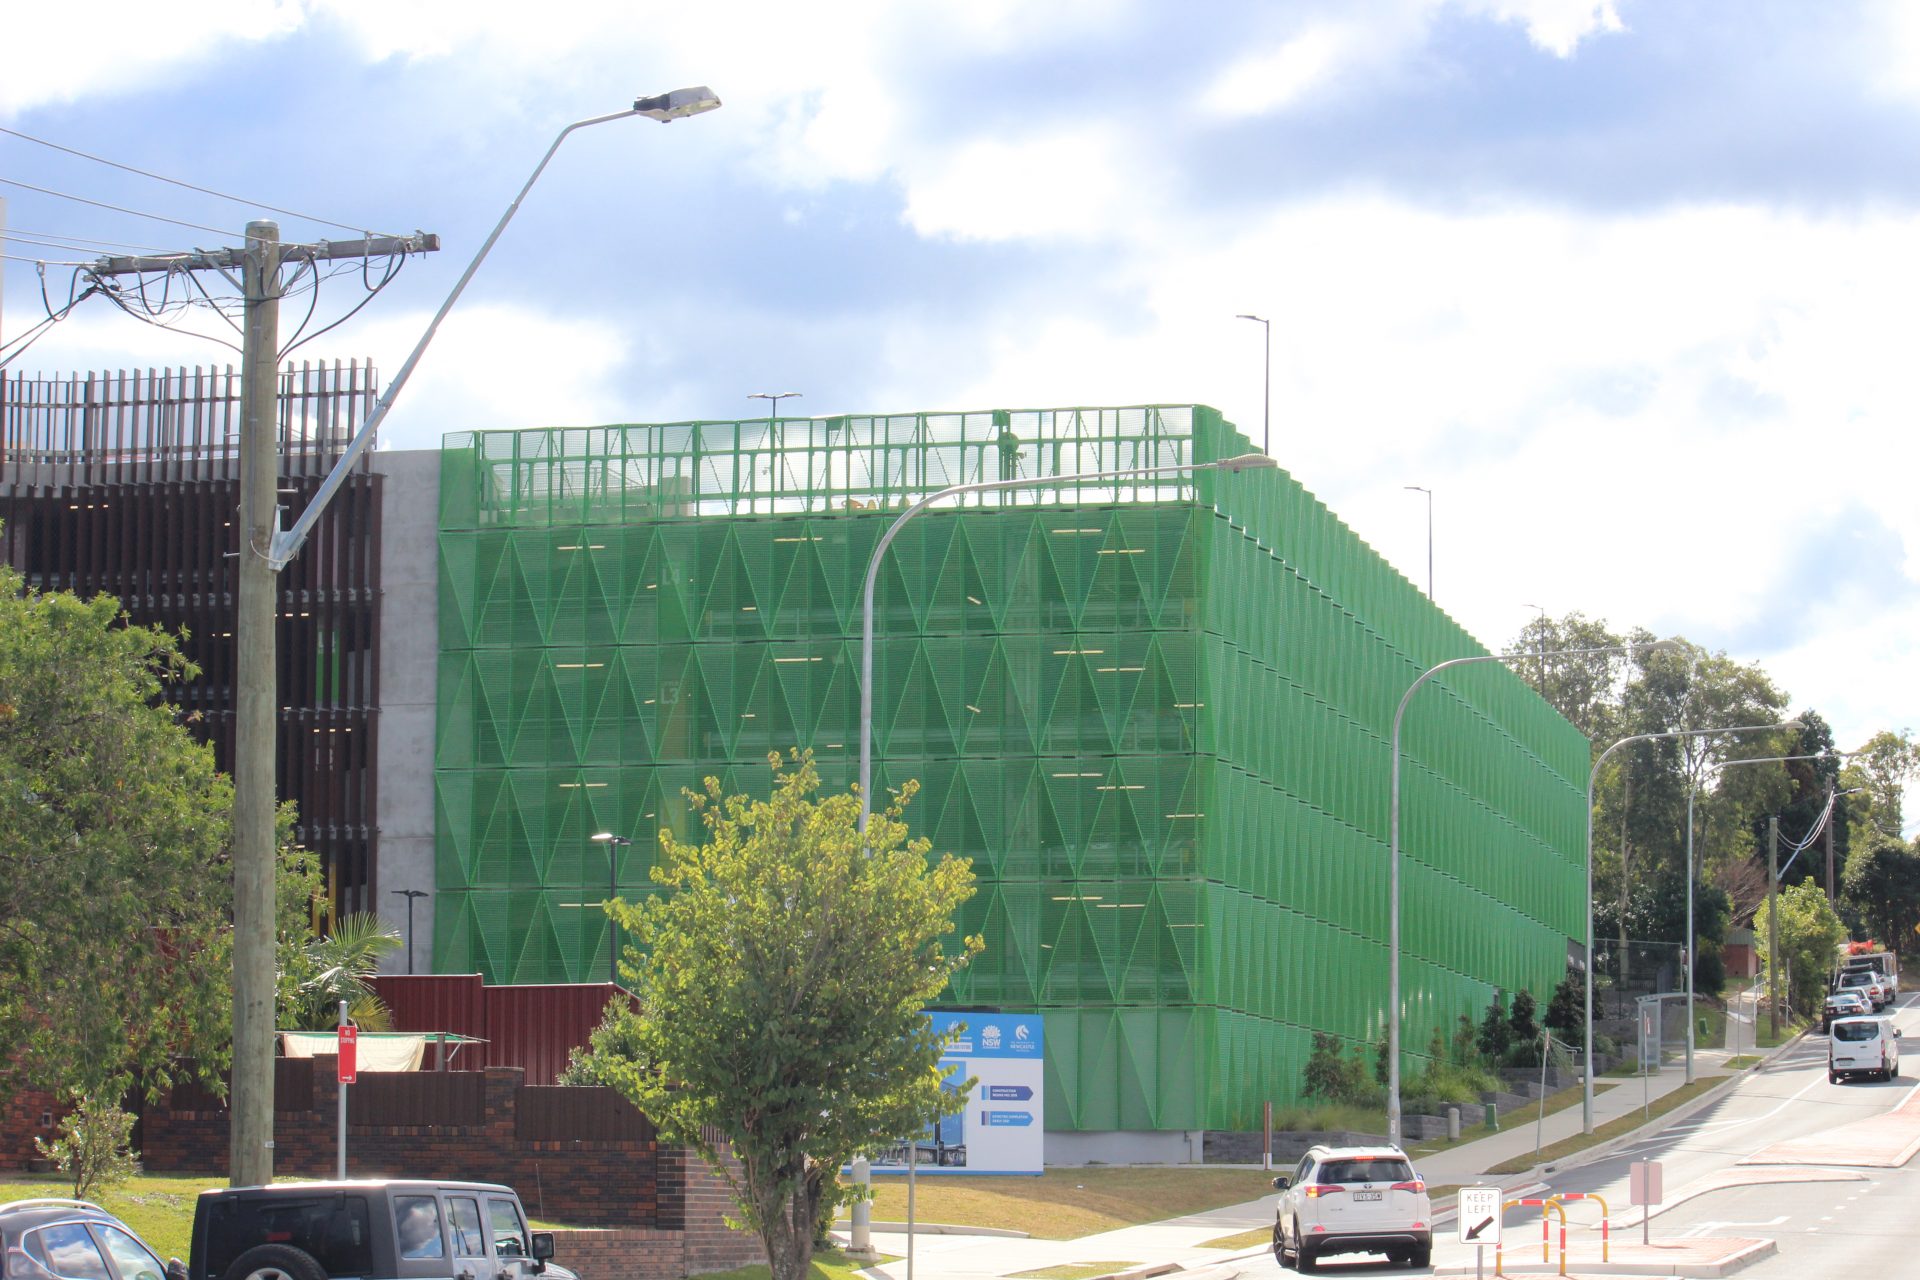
1863, 1047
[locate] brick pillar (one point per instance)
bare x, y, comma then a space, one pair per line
503, 1093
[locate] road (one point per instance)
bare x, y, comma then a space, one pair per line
1825, 1215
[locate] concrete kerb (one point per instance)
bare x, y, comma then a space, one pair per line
935, 1229
1685, 1111
1750, 1251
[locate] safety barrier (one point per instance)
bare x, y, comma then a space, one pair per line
1605, 1214
1545, 1247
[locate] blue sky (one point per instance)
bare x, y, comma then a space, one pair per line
1627, 284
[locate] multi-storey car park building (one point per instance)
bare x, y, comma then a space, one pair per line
1155, 715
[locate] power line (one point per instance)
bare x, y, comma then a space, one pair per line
45, 262
99, 204
18, 238
111, 244
161, 177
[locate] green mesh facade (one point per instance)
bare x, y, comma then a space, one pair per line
1155, 716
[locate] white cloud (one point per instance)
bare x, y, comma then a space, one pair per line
117, 46
1264, 82
1070, 183
1558, 26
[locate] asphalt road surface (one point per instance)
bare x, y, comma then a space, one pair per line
1827, 1218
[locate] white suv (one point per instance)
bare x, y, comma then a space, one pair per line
1352, 1200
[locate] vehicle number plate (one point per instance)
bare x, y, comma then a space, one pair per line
1366, 1195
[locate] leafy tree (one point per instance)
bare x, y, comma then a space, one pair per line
781, 983
1523, 1031
1813, 782
1881, 769
1567, 1010
338, 965
1810, 934
615, 1041
1584, 688
94, 1148
113, 854
1883, 883
1494, 1036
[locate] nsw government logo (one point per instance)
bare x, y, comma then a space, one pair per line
990, 1037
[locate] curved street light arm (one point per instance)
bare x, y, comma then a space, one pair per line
1242, 462
1586, 1088
287, 543
1393, 848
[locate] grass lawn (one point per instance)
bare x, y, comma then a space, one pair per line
159, 1207
1742, 1062
1525, 1115
1076, 1271
1064, 1204
1612, 1129
828, 1264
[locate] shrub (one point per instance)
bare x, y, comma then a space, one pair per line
1495, 1035
1567, 1010
1333, 1075
93, 1148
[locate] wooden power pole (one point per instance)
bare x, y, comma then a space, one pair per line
256, 690
1773, 927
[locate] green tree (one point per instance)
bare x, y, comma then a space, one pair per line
614, 1042
1567, 1010
781, 982
113, 854
1881, 769
1494, 1035
1523, 1031
1810, 933
1882, 882
95, 1148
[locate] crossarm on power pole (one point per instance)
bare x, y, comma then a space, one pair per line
236, 259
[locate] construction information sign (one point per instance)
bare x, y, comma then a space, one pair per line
1002, 1128
1479, 1217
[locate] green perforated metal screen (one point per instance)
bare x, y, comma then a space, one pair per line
1155, 716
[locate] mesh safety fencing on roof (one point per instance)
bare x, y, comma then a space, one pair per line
1155, 717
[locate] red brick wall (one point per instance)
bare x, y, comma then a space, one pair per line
20, 1118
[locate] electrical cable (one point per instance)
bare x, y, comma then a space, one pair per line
28, 238
101, 204
111, 244
205, 191
395, 262
47, 262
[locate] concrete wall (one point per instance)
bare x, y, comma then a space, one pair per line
1122, 1146
409, 649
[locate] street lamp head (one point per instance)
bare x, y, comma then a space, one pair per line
1244, 316
668, 107
607, 837
1244, 462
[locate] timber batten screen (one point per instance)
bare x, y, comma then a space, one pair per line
1155, 715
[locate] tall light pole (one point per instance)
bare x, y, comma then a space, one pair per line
1266, 409
1414, 488
1586, 1092
1691, 789
409, 895
1393, 855
861, 1238
773, 399
267, 549
614, 845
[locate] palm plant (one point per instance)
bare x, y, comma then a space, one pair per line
315, 976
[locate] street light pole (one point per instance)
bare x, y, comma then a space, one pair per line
1414, 488
1393, 855
773, 399
1691, 788
861, 1238
1586, 1092
266, 549
409, 895
1266, 410
614, 845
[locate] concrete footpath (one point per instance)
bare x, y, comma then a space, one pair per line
1178, 1244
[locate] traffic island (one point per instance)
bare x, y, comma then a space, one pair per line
1708, 1257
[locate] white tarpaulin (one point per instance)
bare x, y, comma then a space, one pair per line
378, 1050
